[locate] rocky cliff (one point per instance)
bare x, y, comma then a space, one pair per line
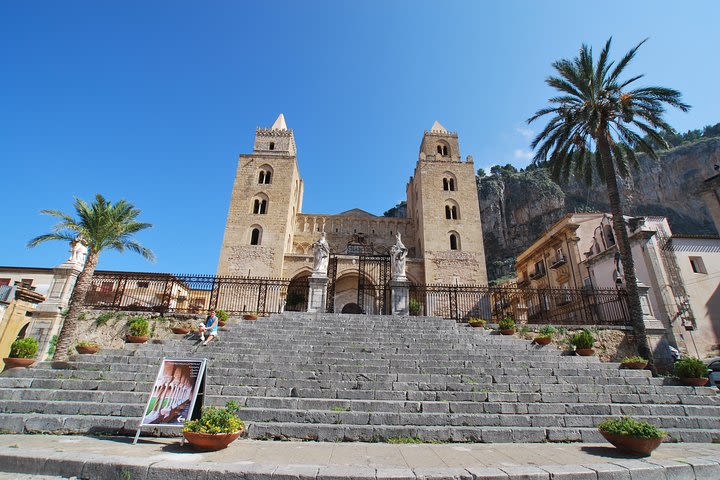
517, 207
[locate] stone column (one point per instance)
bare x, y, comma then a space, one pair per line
655, 331
317, 293
400, 296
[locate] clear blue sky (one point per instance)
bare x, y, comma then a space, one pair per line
153, 101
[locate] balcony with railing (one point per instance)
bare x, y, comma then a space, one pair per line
558, 261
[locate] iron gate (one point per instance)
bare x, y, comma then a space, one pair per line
374, 284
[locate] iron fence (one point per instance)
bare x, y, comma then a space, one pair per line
534, 306
169, 293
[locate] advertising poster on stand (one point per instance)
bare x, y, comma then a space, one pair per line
173, 396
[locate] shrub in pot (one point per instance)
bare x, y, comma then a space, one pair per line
87, 347
139, 329
632, 436
477, 322
583, 342
22, 353
415, 307
222, 317
634, 363
545, 335
507, 325
691, 371
216, 428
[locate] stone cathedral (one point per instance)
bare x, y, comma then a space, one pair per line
268, 235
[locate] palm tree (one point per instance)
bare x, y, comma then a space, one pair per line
598, 123
101, 225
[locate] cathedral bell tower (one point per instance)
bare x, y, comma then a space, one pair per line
443, 202
266, 196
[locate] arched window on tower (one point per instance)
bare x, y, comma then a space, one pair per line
452, 211
439, 149
444, 150
256, 235
260, 205
265, 175
454, 241
446, 184
272, 145
449, 182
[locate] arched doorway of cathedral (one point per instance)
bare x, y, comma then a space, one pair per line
346, 299
297, 293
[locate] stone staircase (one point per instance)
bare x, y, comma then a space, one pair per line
365, 378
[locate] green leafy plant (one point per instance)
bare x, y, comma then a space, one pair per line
583, 339
547, 331
222, 315
507, 323
53, 345
476, 322
635, 359
139, 327
690, 367
630, 427
24, 348
88, 343
217, 420
415, 307
103, 318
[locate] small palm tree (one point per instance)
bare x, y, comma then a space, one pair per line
101, 225
598, 122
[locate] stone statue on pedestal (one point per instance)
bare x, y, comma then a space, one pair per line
78, 251
398, 257
321, 256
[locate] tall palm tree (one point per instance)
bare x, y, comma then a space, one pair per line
102, 225
598, 121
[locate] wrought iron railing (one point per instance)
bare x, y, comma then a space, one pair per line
169, 293
534, 306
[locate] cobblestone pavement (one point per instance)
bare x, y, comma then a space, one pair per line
154, 458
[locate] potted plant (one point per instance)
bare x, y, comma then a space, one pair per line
691, 371
216, 428
634, 363
181, 329
507, 325
415, 307
22, 353
139, 330
87, 347
222, 317
545, 334
477, 322
583, 342
632, 436
249, 316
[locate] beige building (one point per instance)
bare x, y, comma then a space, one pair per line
682, 273
268, 235
17, 304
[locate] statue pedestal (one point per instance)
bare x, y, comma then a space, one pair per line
400, 297
317, 294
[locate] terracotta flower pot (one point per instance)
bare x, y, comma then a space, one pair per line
640, 446
694, 382
507, 332
180, 330
634, 365
249, 316
87, 350
221, 323
585, 352
210, 442
18, 362
134, 339
543, 340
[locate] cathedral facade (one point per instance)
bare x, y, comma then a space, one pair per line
268, 235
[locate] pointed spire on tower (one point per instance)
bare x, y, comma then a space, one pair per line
280, 123
438, 128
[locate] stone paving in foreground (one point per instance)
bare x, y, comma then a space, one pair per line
162, 458
366, 378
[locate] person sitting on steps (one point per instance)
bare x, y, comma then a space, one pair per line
210, 327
